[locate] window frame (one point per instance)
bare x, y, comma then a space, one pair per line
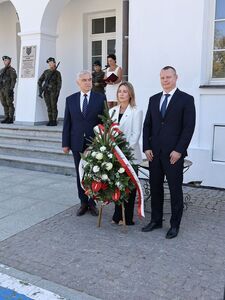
100, 36
210, 20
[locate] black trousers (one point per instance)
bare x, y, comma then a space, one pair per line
129, 207
159, 168
83, 198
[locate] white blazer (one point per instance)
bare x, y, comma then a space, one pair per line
131, 125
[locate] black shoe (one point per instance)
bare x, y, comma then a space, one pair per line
151, 226
49, 123
5, 121
10, 121
82, 210
93, 210
172, 233
54, 123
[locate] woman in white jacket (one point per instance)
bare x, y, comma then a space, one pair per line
130, 119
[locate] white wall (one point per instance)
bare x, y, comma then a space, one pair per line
173, 33
71, 46
8, 20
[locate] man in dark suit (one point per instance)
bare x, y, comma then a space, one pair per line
81, 116
168, 129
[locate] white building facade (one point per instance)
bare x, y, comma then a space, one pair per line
187, 34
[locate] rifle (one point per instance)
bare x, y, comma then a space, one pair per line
47, 81
2, 81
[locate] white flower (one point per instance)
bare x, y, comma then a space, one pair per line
109, 166
119, 185
102, 149
105, 177
96, 169
99, 156
93, 154
110, 155
121, 170
103, 164
96, 129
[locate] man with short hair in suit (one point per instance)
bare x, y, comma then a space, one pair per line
81, 116
168, 128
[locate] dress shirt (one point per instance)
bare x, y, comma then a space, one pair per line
169, 98
82, 98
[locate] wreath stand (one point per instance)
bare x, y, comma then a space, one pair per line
100, 216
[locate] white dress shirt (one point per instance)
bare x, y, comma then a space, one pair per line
82, 98
168, 99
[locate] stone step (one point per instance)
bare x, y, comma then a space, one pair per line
30, 140
37, 164
55, 154
34, 131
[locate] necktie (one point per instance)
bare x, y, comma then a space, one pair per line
85, 105
164, 105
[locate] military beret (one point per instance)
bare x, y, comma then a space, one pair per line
97, 63
6, 57
50, 59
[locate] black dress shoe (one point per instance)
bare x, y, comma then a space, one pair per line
172, 233
151, 226
93, 210
82, 210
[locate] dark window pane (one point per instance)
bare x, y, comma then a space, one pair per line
98, 26
218, 64
219, 38
110, 24
220, 9
96, 48
111, 46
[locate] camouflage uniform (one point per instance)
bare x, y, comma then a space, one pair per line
51, 93
7, 83
98, 82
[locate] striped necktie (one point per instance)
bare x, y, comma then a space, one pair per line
85, 105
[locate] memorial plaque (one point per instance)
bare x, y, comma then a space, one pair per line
28, 62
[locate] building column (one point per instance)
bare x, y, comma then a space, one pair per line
31, 109
125, 38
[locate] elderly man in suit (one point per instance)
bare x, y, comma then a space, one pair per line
82, 112
168, 129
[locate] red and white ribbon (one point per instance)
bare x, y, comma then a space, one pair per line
124, 163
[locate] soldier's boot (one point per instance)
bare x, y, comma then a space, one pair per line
50, 119
54, 123
10, 119
5, 121
49, 123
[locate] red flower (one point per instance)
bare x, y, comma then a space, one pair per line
104, 186
96, 186
116, 195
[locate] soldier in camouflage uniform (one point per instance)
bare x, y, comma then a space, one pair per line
7, 83
50, 83
98, 83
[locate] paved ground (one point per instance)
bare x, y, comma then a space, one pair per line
66, 253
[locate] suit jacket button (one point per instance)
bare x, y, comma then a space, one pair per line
162, 123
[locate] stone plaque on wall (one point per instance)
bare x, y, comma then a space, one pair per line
28, 62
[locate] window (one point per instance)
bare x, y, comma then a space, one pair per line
218, 68
102, 38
